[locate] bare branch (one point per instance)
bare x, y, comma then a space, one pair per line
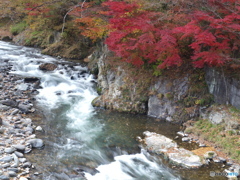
70, 10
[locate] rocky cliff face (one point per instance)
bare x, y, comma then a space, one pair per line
116, 91
164, 103
226, 90
175, 96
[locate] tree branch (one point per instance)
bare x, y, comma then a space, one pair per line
70, 10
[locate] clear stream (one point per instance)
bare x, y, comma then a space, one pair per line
86, 143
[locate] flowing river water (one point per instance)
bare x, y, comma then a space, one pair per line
86, 143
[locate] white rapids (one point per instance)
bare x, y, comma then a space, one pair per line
68, 92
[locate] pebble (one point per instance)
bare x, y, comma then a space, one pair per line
9, 150
23, 178
18, 154
12, 174
3, 177
6, 165
39, 128
6, 159
27, 165
19, 147
185, 139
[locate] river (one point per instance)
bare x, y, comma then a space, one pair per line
82, 142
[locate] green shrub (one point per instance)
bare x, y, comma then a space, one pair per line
18, 28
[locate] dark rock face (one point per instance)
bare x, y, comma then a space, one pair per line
162, 104
225, 90
47, 67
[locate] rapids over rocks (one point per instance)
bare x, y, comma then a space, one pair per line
82, 142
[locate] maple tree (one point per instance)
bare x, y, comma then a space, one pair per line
141, 36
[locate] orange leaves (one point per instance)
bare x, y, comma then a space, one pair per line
92, 27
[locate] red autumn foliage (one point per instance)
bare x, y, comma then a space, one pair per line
141, 36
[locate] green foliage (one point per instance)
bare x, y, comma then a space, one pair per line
228, 140
18, 28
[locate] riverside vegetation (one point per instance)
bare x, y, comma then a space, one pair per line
148, 41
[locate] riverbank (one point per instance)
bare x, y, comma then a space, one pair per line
17, 114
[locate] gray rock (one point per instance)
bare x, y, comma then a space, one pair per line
27, 150
39, 128
29, 129
12, 174
22, 87
22, 160
14, 165
23, 178
3, 177
11, 103
36, 143
18, 154
4, 107
6, 165
13, 169
19, 147
27, 165
162, 145
15, 112
25, 108
9, 150
222, 159
186, 139
16, 160
6, 159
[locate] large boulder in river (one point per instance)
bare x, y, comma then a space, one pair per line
162, 145
47, 67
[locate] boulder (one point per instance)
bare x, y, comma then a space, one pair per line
47, 67
162, 145
35, 143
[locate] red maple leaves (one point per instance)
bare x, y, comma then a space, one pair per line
141, 36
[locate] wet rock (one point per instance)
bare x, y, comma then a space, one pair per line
162, 145
35, 143
47, 67
30, 79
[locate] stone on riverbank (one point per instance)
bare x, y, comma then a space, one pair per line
162, 145
35, 143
